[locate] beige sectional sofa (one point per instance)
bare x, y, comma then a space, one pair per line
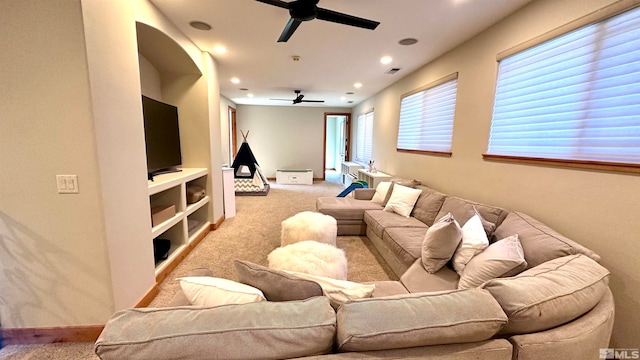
557, 306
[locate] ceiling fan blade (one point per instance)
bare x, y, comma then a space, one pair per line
278, 3
313, 101
289, 29
341, 18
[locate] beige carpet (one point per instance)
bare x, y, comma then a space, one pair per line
251, 235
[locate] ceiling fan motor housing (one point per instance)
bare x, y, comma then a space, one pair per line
303, 10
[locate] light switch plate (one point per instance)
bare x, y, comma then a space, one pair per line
67, 184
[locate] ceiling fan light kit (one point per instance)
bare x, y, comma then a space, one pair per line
306, 10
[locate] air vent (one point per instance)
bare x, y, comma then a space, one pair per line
392, 71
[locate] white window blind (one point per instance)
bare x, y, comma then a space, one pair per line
426, 118
575, 97
364, 139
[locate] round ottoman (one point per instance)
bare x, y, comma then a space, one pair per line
309, 225
310, 257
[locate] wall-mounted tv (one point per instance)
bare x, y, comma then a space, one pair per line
162, 136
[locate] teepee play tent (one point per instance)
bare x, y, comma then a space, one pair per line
248, 177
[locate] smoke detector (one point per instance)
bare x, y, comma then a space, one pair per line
295, 58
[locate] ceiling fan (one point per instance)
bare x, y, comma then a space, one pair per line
305, 10
299, 100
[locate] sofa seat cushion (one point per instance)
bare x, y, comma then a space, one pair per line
462, 210
405, 242
418, 320
428, 205
416, 279
550, 294
345, 208
540, 243
379, 220
262, 330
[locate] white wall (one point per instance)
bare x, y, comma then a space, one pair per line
215, 120
114, 77
285, 137
597, 209
54, 267
149, 79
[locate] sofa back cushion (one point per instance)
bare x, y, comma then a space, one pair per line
462, 210
540, 243
422, 319
263, 330
428, 205
276, 285
550, 294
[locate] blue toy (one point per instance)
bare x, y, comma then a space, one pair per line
360, 184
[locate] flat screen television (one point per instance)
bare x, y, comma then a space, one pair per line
162, 137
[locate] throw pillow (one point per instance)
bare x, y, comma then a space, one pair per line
404, 182
338, 291
276, 285
489, 227
211, 291
402, 200
381, 192
474, 241
501, 259
440, 242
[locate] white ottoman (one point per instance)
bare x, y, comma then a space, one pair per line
309, 225
310, 257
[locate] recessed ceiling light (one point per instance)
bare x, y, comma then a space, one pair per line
386, 60
200, 25
343, 98
219, 49
250, 95
357, 85
408, 41
235, 80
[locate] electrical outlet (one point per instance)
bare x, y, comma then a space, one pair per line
67, 184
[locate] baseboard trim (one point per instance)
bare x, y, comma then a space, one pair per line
50, 335
218, 223
148, 297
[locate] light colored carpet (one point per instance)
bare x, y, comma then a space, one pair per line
251, 235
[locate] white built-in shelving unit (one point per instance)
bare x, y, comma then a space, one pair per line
190, 220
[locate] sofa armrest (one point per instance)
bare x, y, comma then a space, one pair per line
364, 194
581, 338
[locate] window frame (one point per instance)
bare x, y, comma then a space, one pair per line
424, 89
590, 19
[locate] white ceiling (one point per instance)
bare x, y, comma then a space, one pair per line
332, 56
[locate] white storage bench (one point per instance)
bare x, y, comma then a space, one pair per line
299, 176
